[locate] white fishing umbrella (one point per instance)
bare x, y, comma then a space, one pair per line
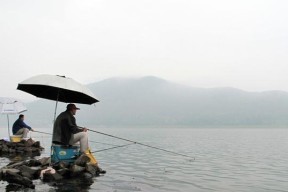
10, 105
57, 88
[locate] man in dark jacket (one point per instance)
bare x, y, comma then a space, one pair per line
66, 131
21, 128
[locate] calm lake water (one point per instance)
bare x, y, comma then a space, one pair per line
238, 160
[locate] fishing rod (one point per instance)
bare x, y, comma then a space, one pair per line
89, 141
43, 132
135, 142
102, 143
113, 147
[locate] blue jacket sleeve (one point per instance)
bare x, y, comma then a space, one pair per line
22, 124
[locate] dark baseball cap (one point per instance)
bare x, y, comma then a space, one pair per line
72, 106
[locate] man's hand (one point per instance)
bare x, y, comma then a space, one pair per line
31, 129
85, 129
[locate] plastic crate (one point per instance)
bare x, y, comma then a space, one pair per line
64, 153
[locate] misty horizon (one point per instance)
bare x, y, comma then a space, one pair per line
197, 43
155, 102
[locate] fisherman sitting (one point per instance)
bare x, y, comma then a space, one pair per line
66, 132
21, 128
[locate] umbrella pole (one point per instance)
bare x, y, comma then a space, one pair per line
8, 126
55, 110
56, 105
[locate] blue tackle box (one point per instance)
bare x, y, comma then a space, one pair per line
64, 153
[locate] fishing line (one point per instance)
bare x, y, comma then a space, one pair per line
113, 147
135, 142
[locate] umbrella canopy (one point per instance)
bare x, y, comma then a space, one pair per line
57, 88
10, 105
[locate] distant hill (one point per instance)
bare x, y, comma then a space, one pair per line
154, 102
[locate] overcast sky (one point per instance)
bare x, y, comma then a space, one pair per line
207, 43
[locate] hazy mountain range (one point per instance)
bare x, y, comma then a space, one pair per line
154, 102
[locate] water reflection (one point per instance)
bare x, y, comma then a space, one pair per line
72, 185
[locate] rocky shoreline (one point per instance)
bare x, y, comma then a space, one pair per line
20, 174
25, 147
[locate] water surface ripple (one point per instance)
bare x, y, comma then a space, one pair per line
238, 160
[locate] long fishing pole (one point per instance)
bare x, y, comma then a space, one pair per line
133, 142
113, 147
102, 143
89, 141
141, 143
43, 132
